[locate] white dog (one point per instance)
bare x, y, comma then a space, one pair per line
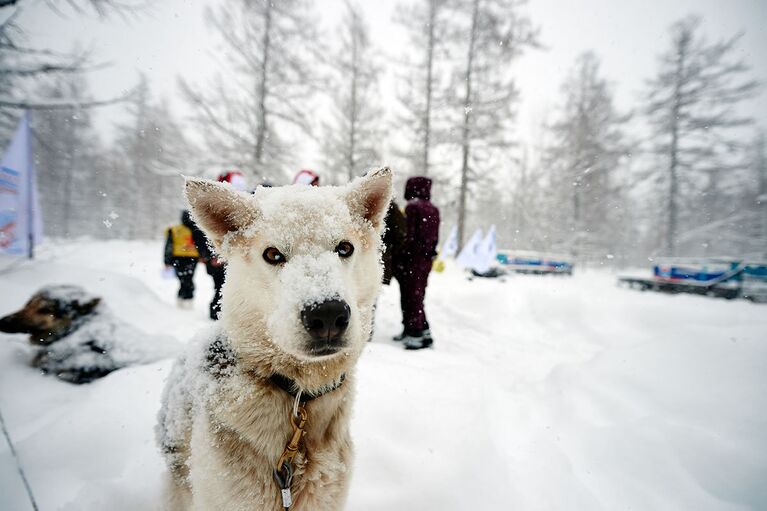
256, 416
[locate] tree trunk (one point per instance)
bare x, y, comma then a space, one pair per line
261, 128
429, 88
353, 109
576, 221
465, 135
67, 213
761, 199
673, 192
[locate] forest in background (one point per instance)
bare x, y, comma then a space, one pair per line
682, 173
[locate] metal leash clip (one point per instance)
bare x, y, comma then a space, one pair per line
284, 477
283, 474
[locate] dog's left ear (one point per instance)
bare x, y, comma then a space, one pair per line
87, 307
369, 196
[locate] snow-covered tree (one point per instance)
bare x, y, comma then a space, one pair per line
583, 156
261, 91
69, 159
22, 66
485, 36
353, 137
151, 152
694, 106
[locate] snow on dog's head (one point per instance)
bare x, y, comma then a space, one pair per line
303, 266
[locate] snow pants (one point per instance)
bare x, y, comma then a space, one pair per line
218, 273
184, 268
412, 282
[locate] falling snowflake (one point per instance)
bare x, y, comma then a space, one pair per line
107, 223
113, 215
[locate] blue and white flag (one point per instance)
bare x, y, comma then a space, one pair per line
450, 247
20, 219
471, 252
488, 251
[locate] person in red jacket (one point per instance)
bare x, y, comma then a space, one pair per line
415, 259
307, 177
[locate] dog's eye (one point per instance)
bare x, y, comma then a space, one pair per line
345, 249
273, 256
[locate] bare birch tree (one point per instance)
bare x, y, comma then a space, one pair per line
694, 108
489, 35
261, 90
353, 137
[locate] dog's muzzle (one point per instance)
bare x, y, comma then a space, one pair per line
326, 322
11, 324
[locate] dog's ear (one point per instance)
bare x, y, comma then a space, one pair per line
218, 208
369, 196
87, 307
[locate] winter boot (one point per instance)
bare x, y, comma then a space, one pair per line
417, 342
427, 332
400, 336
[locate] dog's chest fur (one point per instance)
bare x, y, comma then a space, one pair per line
239, 432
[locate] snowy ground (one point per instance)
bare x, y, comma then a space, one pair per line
542, 394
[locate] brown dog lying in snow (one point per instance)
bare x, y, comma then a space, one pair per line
77, 339
256, 416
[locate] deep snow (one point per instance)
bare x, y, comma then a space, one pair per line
543, 393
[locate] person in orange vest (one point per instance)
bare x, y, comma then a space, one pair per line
182, 255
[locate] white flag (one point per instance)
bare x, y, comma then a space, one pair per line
20, 220
487, 252
470, 252
450, 247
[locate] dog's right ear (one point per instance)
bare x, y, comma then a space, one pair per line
218, 208
369, 196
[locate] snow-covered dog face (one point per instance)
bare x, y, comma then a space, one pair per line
303, 266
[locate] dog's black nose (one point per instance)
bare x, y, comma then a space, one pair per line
10, 324
326, 321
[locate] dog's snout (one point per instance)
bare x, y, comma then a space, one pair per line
11, 324
327, 320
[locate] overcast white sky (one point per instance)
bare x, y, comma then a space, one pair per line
172, 39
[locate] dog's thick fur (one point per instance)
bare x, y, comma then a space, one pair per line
223, 424
77, 339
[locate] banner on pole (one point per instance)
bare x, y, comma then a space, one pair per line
20, 219
470, 253
487, 252
450, 248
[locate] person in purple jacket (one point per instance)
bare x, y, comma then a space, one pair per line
415, 259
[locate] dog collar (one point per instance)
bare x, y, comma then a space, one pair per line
289, 385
